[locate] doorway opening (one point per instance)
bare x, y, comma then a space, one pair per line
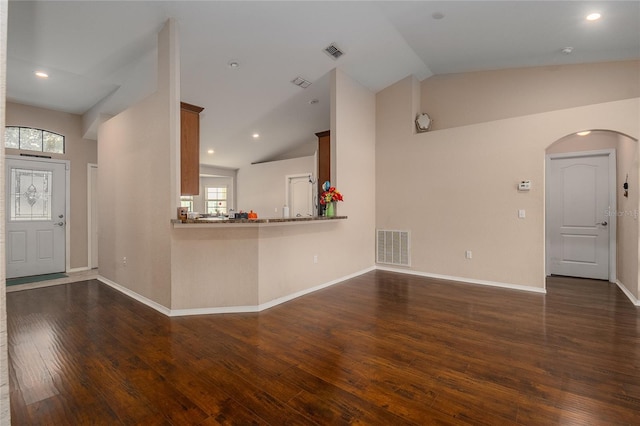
591, 218
37, 202
299, 195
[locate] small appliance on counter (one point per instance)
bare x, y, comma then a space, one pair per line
182, 213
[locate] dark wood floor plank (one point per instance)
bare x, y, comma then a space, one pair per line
381, 348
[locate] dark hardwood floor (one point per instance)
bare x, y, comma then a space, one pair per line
381, 348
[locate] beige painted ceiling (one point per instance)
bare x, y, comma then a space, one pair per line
101, 55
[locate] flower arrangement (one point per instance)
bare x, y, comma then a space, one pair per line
330, 195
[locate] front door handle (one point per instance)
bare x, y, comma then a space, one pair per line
59, 224
604, 223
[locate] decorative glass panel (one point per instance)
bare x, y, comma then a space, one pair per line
30, 139
12, 137
30, 194
52, 142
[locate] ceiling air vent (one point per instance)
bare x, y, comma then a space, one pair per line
301, 82
333, 51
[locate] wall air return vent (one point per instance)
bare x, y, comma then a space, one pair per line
392, 247
333, 51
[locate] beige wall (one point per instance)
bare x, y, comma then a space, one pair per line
627, 215
137, 184
261, 187
5, 412
78, 151
594, 141
455, 189
214, 267
468, 98
353, 122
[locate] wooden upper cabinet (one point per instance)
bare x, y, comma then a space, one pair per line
189, 149
324, 157
324, 160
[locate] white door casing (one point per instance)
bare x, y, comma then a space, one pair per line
580, 233
92, 216
36, 216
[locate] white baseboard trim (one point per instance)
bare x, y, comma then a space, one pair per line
213, 311
626, 291
289, 297
266, 305
464, 280
132, 294
263, 306
74, 270
226, 309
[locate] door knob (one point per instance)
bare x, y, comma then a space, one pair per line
59, 224
604, 223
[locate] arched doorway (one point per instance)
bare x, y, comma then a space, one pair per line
619, 217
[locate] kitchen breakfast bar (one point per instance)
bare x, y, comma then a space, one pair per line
247, 265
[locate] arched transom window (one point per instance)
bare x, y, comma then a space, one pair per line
33, 140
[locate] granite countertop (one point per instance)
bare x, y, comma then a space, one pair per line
216, 221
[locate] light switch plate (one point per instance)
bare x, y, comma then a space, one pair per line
522, 214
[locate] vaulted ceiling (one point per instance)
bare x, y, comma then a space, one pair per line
101, 56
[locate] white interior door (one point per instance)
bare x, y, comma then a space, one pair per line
300, 195
35, 217
578, 190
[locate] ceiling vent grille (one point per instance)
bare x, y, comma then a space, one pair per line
301, 82
333, 51
392, 247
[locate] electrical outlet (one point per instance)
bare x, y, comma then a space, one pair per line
315, 258
468, 254
124, 261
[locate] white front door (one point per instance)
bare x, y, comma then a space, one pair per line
35, 217
578, 216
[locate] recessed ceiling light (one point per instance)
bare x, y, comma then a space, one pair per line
593, 16
256, 135
585, 133
210, 151
41, 74
233, 65
567, 50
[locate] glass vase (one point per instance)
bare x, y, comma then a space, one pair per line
330, 210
